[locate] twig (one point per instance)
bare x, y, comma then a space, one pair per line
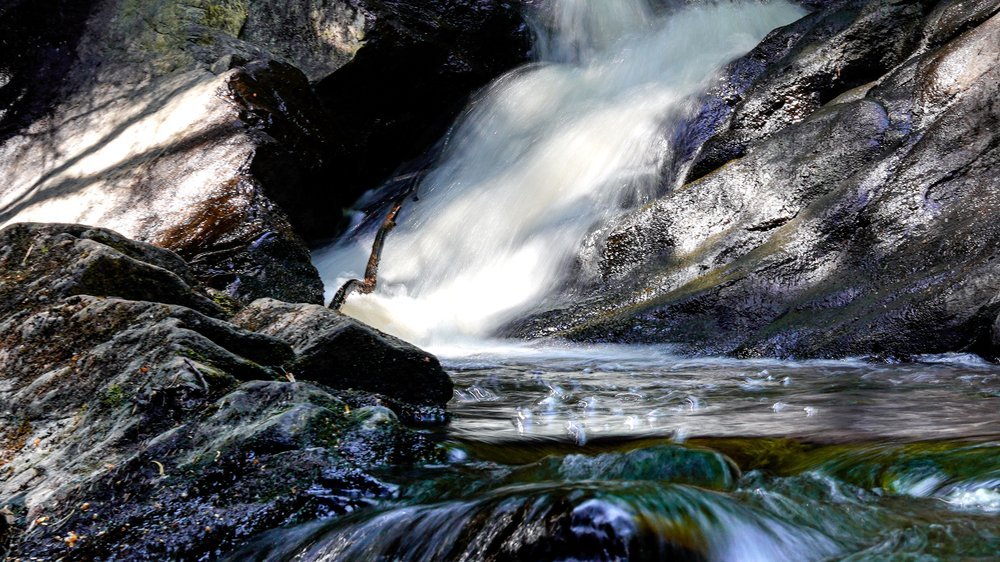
28, 254
367, 285
201, 377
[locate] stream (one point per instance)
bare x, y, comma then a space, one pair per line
631, 453
604, 452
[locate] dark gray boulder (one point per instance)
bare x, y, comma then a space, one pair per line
866, 228
340, 352
147, 429
835, 52
809, 63
952, 18
263, 455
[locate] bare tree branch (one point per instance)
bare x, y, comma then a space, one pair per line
367, 285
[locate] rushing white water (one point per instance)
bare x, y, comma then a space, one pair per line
544, 155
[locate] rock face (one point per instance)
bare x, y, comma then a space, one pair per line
341, 352
174, 169
845, 201
995, 352
825, 54
130, 410
43, 263
189, 125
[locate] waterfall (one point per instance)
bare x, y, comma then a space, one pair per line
542, 157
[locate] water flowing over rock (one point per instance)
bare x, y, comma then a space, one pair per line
137, 423
748, 179
400, 94
543, 156
845, 205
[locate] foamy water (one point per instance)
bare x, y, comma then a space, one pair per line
543, 156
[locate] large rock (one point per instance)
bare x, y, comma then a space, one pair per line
838, 51
169, 163
111, 117
150, 118
809, 63
127, 425
258, 457
340, 352
866, 228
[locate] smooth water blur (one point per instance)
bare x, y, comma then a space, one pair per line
632, 453
542, 157
585, 392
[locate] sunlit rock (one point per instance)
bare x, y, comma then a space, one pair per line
168, 164
834, 51
186, 125
318, 36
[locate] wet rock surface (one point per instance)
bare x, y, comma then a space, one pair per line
860, 224
341, 352
825, 54
137, 424
173, 170
43, 263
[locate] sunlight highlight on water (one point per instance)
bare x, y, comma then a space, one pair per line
575, 393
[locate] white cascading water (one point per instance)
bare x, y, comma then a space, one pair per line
543, 156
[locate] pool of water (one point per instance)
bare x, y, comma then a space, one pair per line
632, 453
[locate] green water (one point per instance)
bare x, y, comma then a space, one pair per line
618, 453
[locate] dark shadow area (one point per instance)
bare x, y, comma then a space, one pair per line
407, 85
38, 40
